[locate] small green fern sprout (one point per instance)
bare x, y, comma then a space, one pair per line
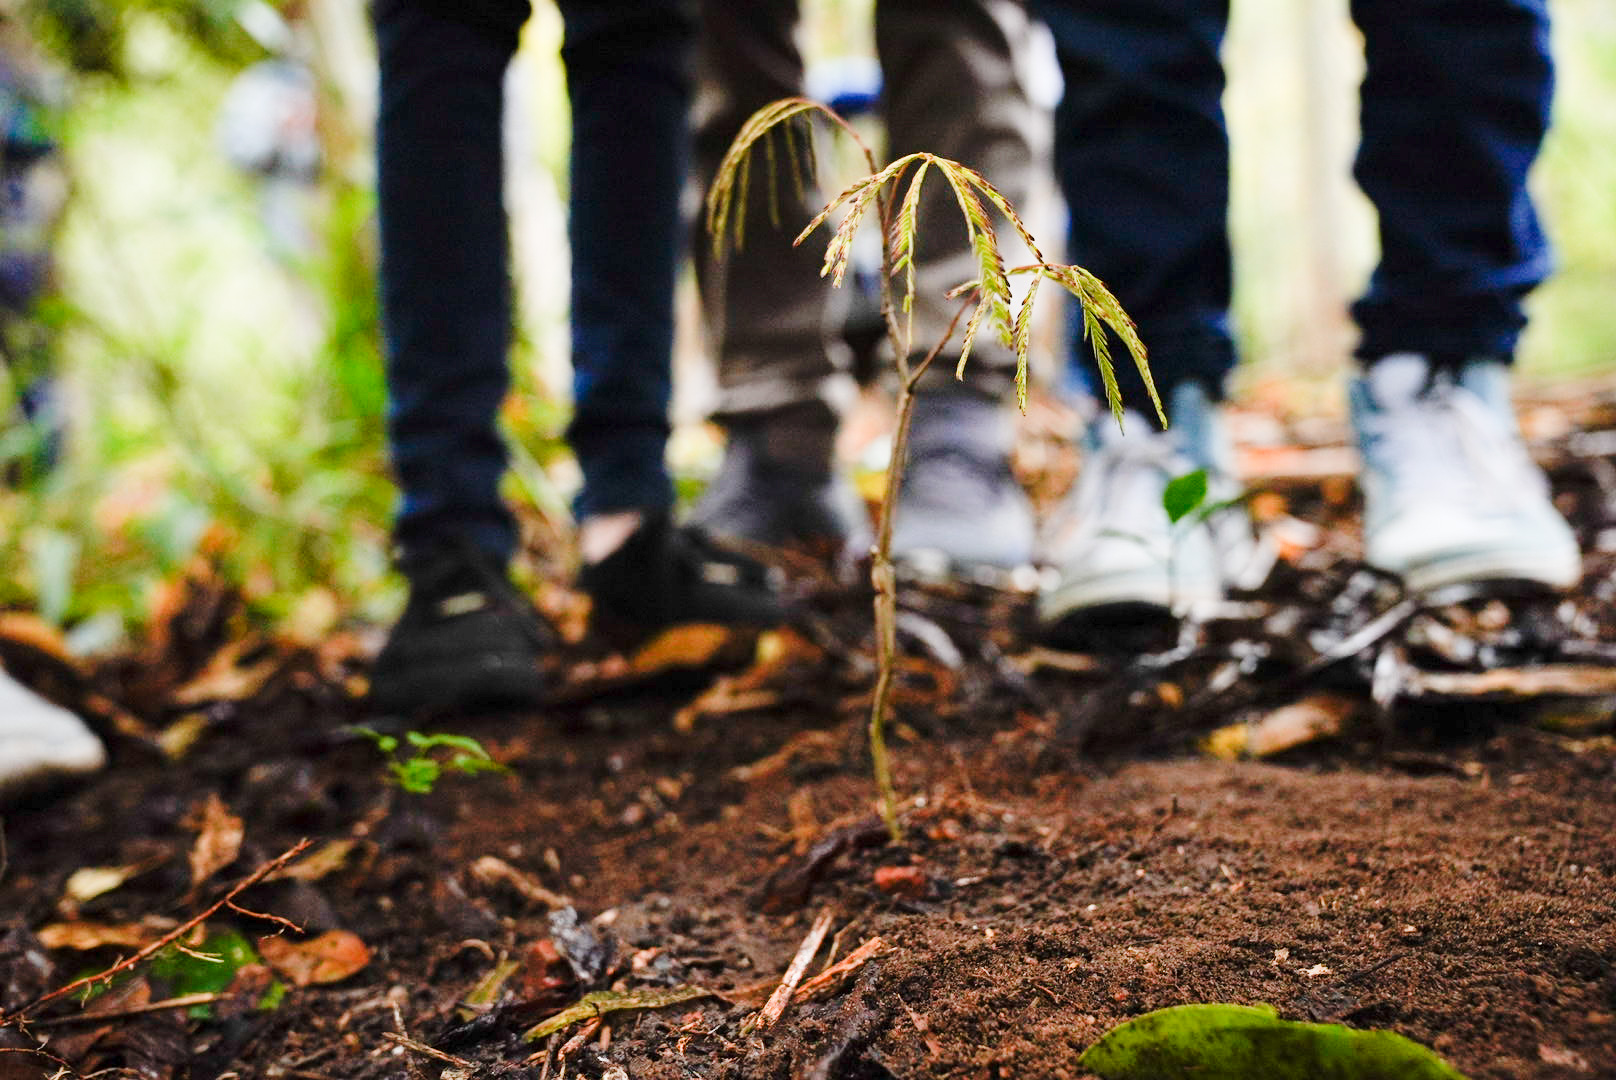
419, 772
989, 299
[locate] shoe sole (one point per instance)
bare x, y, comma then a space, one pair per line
1549, 570
500, 684
1127, 592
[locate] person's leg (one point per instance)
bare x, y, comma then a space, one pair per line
628, 75
1455, 105
1142, 155
466, 637
780, 392
764, 299
627, 64
953, 87
1456, 100
444, 281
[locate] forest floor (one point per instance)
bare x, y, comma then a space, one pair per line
1325, 797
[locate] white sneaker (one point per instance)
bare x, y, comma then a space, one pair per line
41, 742
1111, 544
1450, 495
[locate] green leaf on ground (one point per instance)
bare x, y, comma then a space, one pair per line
1241, 1042
1184, 494
602, 1002
208, 968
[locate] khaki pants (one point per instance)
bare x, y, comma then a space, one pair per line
952, 86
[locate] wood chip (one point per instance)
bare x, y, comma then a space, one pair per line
776, 1005
832, 977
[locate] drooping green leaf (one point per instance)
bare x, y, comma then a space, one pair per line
1184, 495
1241, 1042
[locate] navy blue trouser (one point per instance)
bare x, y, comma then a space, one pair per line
1455, 103
446, 306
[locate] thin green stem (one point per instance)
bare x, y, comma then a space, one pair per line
885, 580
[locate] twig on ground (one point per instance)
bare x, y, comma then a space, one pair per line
184, 1001
833, 975
286, 924
576, 1043
416, 1047
173, 935
776, 1005
1359, 976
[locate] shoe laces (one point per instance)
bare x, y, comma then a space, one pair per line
1445, 444
952, 477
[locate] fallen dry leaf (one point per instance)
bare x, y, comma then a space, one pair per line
329, 958
177, 738
31, 630
1315, 717
692, 646
225, 679
328, 858
218, 840
1318, 971
84, 936
89, 882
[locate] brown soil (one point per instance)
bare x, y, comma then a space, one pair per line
1445, 867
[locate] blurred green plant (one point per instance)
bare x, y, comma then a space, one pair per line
988, 298
1250, 1042
417, 763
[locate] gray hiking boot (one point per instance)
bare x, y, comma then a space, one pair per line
1450, 495
778, 485
41, 743
1115, 554
960, 507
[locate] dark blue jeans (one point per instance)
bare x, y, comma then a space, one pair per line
446, 295
1455, 103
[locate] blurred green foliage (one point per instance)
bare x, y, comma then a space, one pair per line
229, 406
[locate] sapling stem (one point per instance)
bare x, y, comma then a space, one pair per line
989, 300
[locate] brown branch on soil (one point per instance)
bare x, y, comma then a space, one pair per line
38, 1052
266, 916
184, 1001
174, 935
835, 974
776, 1005
421, 1048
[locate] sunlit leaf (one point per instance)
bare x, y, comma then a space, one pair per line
1241, 1042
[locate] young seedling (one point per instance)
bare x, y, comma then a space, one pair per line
988, 299
417, 767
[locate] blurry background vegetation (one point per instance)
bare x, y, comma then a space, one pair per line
224, 392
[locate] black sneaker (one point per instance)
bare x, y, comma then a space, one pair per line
467, 640
665, 576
